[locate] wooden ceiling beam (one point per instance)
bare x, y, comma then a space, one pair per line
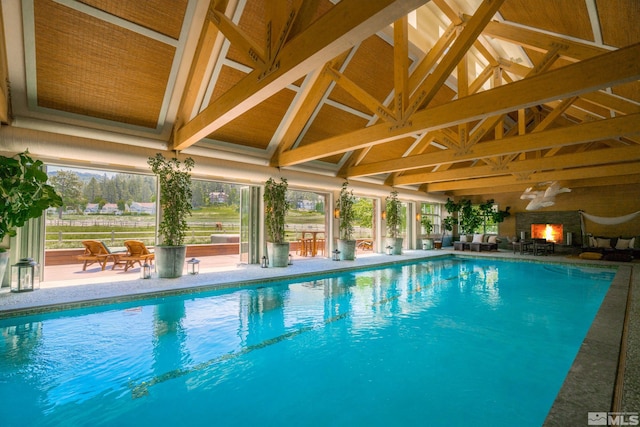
564, 161
576, 183
578, 134
599, 97
401, 66
575, 79
576, 173
198, 70
469, 34
420, 72
309, 102
455, 18
611, 102
423, 68
571, 50
238, 38
363, 96
345, 24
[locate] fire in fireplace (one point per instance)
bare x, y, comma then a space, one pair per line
551, 232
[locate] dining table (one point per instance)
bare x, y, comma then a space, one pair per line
313, 239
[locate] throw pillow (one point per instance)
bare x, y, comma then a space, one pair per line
632, 243
590, 255
593, 242
493, 239
623, 244
603, 243
478, 238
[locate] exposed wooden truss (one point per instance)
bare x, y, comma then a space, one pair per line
329, 36
440, 96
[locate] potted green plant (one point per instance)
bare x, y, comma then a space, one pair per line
344, 205
469, 216
427, 226
25, 194
276, 207
394, 221
175, 206
448, 223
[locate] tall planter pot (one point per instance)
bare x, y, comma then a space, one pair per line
427, 243
170, 260
278, 254
4, 261
396, 243
347, 249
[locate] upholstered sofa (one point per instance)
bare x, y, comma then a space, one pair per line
477, 242
612, 248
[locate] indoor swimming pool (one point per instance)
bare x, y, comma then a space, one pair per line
450, 341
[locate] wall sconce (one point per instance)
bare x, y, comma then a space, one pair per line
418, 217
384, 215
336, 255
264, 262
25, 275
290, 260
336, 213
193, 266
389, 250
145, 271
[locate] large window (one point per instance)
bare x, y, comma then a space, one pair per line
114, 207
432, 211
100, 205
215, 217
489, 225
306, 213
477, 219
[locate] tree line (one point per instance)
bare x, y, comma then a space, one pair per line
79, 189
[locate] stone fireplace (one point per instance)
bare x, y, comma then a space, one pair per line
562, 227
549, 232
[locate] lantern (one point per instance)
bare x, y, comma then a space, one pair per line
145, 271
336, 255
290, 260
389, 250
25, 275
264, 262
193, 266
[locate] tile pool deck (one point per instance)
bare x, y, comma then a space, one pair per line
590, 386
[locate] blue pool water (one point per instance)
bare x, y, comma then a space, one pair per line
444, 342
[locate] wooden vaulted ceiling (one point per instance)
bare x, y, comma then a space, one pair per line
458, 97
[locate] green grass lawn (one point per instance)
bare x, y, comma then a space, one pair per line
71, 230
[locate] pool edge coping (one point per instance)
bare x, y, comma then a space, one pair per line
590, 384
578, 381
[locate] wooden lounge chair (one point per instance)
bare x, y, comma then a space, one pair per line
136, 252
95, 251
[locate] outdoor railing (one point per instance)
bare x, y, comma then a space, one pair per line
198, 233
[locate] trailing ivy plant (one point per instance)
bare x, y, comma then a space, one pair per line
345, 204
175, 197
276, 207
24, 192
